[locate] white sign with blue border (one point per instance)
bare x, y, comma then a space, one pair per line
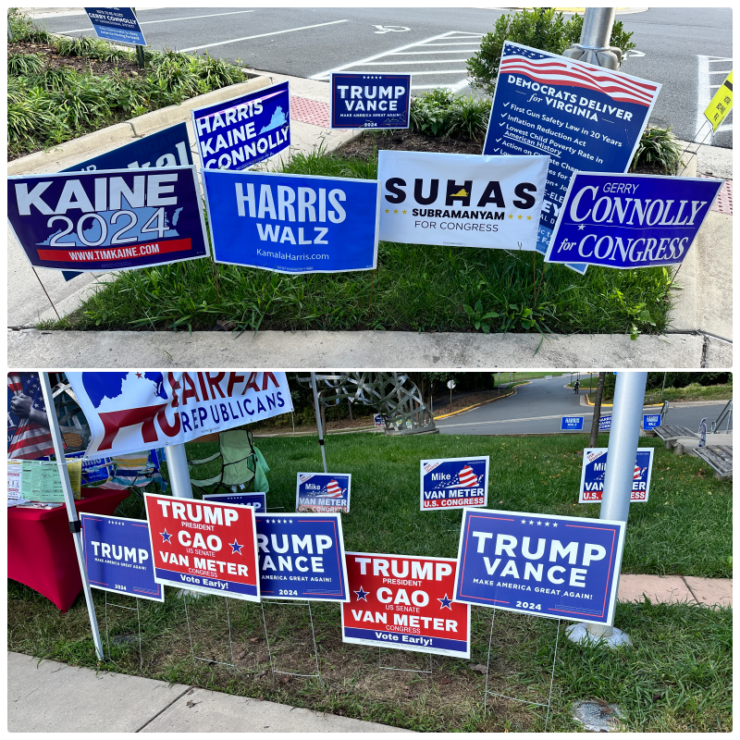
454, 482
551, 566
361, 100
323, 492
258, 501
593, 474
650, 421
116, 24
571, 423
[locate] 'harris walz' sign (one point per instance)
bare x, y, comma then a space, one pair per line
628, 221
108, 220
237, 133
370, 101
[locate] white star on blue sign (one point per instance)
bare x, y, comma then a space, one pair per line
362, 595
446, 603
166, 536
235, 547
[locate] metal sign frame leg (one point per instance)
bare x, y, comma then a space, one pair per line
406, 670
107, 631
190, 634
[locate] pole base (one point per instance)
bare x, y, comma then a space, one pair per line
579, 633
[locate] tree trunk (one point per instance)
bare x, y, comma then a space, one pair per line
597, 411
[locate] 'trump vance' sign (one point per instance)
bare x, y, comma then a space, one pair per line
594, 473
628, 221
108, 219
135, 411
550, 566
292, 223
258, 501
405, 603
370, 100
239, 132
204, 546
116, 24
454, 482
461, 200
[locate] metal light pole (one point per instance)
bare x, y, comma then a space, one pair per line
594, 45
318, 418
69, 500
178, 471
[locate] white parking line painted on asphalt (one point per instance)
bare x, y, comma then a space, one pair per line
168, 20
262, 35
708, 66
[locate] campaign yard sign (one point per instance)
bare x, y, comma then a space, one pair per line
137, 411
118, 556
629, 221
292, 223
406, 603
236, 133
117, 219
571, 423
258, 501
461, 200
204, 546
301, 556
323, 492
454, 482
650, 421
549, 566
593, 474
116, 24
370, 100
605, 423
587, 118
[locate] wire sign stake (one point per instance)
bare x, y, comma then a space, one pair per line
190, 634
405, 670
107, 631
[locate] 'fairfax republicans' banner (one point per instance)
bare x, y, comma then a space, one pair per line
116, 24
301, 556
118, 556
405, 603
137, 411
628, 221
370, 100
323, 492
292, 223
204, 546
237, 133
593, 474
586, 117
108, 219
461, 200
258, 501
454, 482
549, 566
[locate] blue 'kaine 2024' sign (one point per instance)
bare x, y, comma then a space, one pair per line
116, 24
292, 223
118, 556
650, 421
550, 566
370, 100
237, 133
585, 117
301, 556
453, 483
258, 501
628, 221
571, 423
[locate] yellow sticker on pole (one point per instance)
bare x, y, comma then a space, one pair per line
721, 104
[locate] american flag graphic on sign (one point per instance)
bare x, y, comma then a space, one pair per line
467, 477
333, 490
27, 440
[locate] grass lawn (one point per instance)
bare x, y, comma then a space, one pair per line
508, 378
693, 392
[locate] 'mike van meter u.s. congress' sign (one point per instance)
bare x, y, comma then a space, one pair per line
454, 482
550, 566
370, 100
323, 492
594, 472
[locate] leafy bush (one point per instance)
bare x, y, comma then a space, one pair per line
541, 28
22, 28
658, 148
24, 64
440, 113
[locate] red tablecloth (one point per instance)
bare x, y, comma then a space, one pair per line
41, 551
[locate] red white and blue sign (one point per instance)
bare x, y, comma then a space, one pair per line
605, 423
258, 501
406, 603
301, 556
118, 556
454, 482
571, 423
323, 492
650, 421
235, 134
118, 219
29, 436
370, 100
116, 24
585, 117
204, 546
593, 474
292, 223
630, 221
546, 565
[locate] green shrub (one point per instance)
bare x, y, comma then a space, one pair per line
440, 113
24, 64
541, 28
22, 28
660, 148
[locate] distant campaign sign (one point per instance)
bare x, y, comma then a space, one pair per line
454, 482
545, 565
292, 223
237, 133
108, 219
605, 423
116, 24
301, 556
118, 556
370, 100
461, 200
204, 546
323, 492
571, 423
650, 421
585, 117
628, 221
594, 472
406, 603
258, 501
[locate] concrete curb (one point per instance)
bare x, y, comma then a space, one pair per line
478, 405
